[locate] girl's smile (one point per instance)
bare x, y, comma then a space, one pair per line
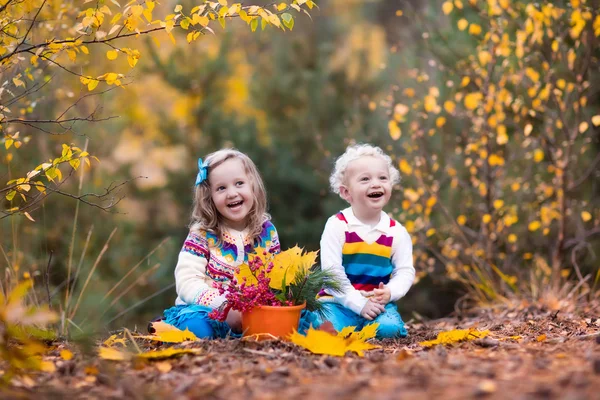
231, 191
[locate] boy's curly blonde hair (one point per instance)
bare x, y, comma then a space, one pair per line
354, 152
204, 213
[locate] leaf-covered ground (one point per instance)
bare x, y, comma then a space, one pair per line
556, 356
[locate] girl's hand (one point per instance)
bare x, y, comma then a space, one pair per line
382, 294
234, 320
365, 293
371, 310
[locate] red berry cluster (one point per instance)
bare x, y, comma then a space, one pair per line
243, 297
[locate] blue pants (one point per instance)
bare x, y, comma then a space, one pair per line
390, 322
195, 318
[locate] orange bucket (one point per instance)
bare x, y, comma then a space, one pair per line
278, 321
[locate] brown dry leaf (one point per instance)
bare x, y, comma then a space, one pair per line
166, 353
404, 354
455, 336
321, 342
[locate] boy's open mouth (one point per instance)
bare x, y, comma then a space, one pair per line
375, 195
235, 204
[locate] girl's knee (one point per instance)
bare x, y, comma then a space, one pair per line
199, 327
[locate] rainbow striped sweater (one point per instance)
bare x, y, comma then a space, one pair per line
362, 256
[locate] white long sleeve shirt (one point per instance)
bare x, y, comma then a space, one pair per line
332, 242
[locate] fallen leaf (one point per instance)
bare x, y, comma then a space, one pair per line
91, 370
163, 366
170, 336
404, 354
108, 353
321, 342
114, 339
166, 353
541, 338
47, 366
66, 355
455, 336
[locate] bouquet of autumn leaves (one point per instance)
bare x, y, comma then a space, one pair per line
289, 278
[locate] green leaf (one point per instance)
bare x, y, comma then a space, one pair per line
287, 17
185, 24
11, 195
263, 24
254, 24
222, 22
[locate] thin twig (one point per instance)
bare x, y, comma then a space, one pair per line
91, 273
48, 280
139, 303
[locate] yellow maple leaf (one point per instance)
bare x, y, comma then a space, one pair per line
164, 332
285, 266
455, 336
166, 353
321, 342
171, 336
108, 353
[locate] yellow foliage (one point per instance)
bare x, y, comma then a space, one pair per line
472, 100
447, 7
285, 265
474, 29
405, 167
586, 216
455, 336
321, 342
395, 131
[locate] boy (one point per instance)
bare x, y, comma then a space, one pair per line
370, 253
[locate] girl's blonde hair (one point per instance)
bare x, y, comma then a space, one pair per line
204, 213
354, 152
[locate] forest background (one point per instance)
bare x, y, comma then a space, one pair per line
487, 107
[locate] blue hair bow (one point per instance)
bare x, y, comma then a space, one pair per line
202, 172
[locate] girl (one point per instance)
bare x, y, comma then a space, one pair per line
229, 220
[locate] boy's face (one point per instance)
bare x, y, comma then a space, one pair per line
367, 185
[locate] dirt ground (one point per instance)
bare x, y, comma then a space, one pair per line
556, 357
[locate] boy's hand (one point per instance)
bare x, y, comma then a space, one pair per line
371, 310
382, 294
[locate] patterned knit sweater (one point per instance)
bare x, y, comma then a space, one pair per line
203, 261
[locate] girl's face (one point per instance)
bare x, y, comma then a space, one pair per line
231, 191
